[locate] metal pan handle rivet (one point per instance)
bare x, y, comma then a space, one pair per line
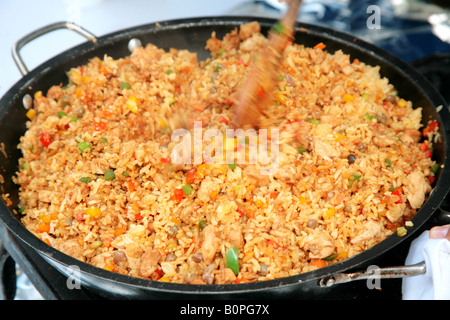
133, 44
27, 101
18, 45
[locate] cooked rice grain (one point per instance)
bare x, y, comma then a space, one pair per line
115, 115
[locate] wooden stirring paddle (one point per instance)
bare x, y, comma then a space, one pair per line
254, 94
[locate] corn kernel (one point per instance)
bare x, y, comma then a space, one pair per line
402, 103
93, 212
45, 218
302, 199
38, 94
213, 195
162, 123
164, 279
339, 137
78, 92
31, 113
329, 213
348, 98
229, 143
260, 204
201, 170
342, 255
76, 77
281, 98
109, 267
132, 104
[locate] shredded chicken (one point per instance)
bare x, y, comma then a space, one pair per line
225, 276
319, 244
206, 187
210, 243
382, 141
325, 150
416, 187
149, 262
371, 230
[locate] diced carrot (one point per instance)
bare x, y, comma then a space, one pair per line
131, 186
272, 195
320, 46
241, 280
213, 195
107, 242
319, 263
118, 232
43, 227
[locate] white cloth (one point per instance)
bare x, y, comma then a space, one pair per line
435, 284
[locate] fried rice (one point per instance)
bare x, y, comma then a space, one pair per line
98, 183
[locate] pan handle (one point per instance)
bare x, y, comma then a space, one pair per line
375, 273
41, 31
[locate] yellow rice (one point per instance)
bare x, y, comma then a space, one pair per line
321, 206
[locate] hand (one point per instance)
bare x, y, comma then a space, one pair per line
440, 232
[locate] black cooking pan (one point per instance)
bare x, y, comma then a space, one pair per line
192, 34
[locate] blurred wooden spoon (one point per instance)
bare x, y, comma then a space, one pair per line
254, 93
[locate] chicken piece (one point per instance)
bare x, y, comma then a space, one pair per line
319, 244
254, 173
206, 188
331, 119
70, 247
213, 44
382, 141
55, 93
410, 136
302, 135
416, 188
210, 243
225, 276
143, 58
234, 235
149, 262
248, 29
325, 150
371, 230
286, 174
231, 40
160, 180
